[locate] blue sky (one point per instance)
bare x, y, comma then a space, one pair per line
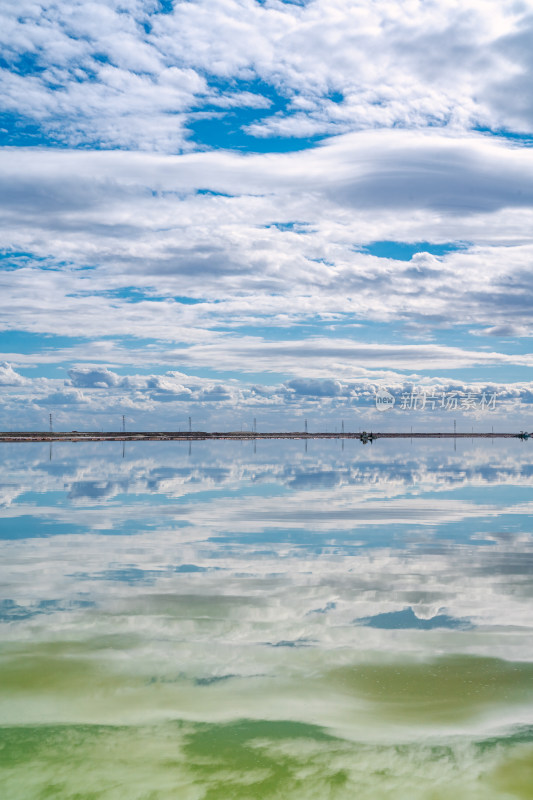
207, 204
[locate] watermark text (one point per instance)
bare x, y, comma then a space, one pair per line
419, 399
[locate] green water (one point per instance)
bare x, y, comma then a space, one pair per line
361, 630
252, 759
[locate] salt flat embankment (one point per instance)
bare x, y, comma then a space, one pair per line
134, 436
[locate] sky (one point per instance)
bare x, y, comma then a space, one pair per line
233, 210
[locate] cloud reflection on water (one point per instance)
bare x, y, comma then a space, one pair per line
374, 594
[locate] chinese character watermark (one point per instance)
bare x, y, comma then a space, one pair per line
431, 400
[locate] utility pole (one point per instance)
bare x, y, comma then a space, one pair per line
51, 427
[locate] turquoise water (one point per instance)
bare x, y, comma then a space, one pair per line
258, 621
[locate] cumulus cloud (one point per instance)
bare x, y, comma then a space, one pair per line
93, 378
66, 398
8, 376
94, 74
315, 388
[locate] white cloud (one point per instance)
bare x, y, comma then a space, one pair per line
130, 76
93, 378
65, 398
115, 240
164, 401
8, 376
137, 219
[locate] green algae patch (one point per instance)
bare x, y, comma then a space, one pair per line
514, 775
69, 666
253, 760
448, 689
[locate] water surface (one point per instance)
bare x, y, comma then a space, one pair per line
258, 621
